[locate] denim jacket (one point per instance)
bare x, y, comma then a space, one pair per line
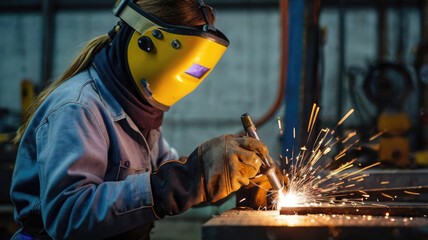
83, 165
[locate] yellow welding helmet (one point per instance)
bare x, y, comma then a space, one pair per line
166, 61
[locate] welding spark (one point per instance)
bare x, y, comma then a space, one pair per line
388, 196
345, 117
350, 135
312, 179
376, 136
312, 115
316, 178
412, 193
280, 126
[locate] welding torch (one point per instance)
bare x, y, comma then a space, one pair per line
269, 168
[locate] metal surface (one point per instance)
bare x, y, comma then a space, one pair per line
247, 224
388, 185
402, 211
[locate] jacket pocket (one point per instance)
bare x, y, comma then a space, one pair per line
124, 170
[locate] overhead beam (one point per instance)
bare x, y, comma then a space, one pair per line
36, 5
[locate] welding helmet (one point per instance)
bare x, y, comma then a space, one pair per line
168, 61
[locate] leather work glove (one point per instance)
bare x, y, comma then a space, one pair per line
215, 169
258, 193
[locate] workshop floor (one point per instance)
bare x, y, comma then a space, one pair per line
177, 230
188, 225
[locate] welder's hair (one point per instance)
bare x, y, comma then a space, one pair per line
184, 12
176, 12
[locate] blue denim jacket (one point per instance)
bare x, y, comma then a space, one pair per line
83, 165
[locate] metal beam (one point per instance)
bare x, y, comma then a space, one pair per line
246, 224
371, 3
292, 88
402, 211
36, 5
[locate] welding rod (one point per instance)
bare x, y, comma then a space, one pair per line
269, 167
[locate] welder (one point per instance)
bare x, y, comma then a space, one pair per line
92, 160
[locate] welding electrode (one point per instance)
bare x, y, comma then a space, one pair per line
268, 166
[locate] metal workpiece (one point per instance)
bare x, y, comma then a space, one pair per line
374, 210
387, 185
242, 223
394, 194
268, 166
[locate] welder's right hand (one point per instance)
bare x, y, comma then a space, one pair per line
215, 169
228, 162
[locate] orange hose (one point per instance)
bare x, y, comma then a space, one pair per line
283, 4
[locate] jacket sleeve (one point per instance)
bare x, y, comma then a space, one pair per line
72, 149
164, 152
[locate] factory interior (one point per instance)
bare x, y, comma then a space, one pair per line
337, 90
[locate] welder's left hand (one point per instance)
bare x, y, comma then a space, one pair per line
257, 193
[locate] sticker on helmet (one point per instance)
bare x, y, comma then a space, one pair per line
197, 70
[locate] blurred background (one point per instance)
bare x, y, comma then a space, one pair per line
284, 56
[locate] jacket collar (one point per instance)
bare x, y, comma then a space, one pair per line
116, 109
113, 105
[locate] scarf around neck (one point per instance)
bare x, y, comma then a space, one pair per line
111, 64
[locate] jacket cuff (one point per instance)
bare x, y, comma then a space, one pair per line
136, 194
198, 154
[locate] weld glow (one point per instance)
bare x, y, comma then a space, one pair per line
291, 199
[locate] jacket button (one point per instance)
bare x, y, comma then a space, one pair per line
127, 164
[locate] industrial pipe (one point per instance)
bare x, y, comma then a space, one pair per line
283, 4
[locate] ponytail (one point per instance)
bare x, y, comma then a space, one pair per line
82, 61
